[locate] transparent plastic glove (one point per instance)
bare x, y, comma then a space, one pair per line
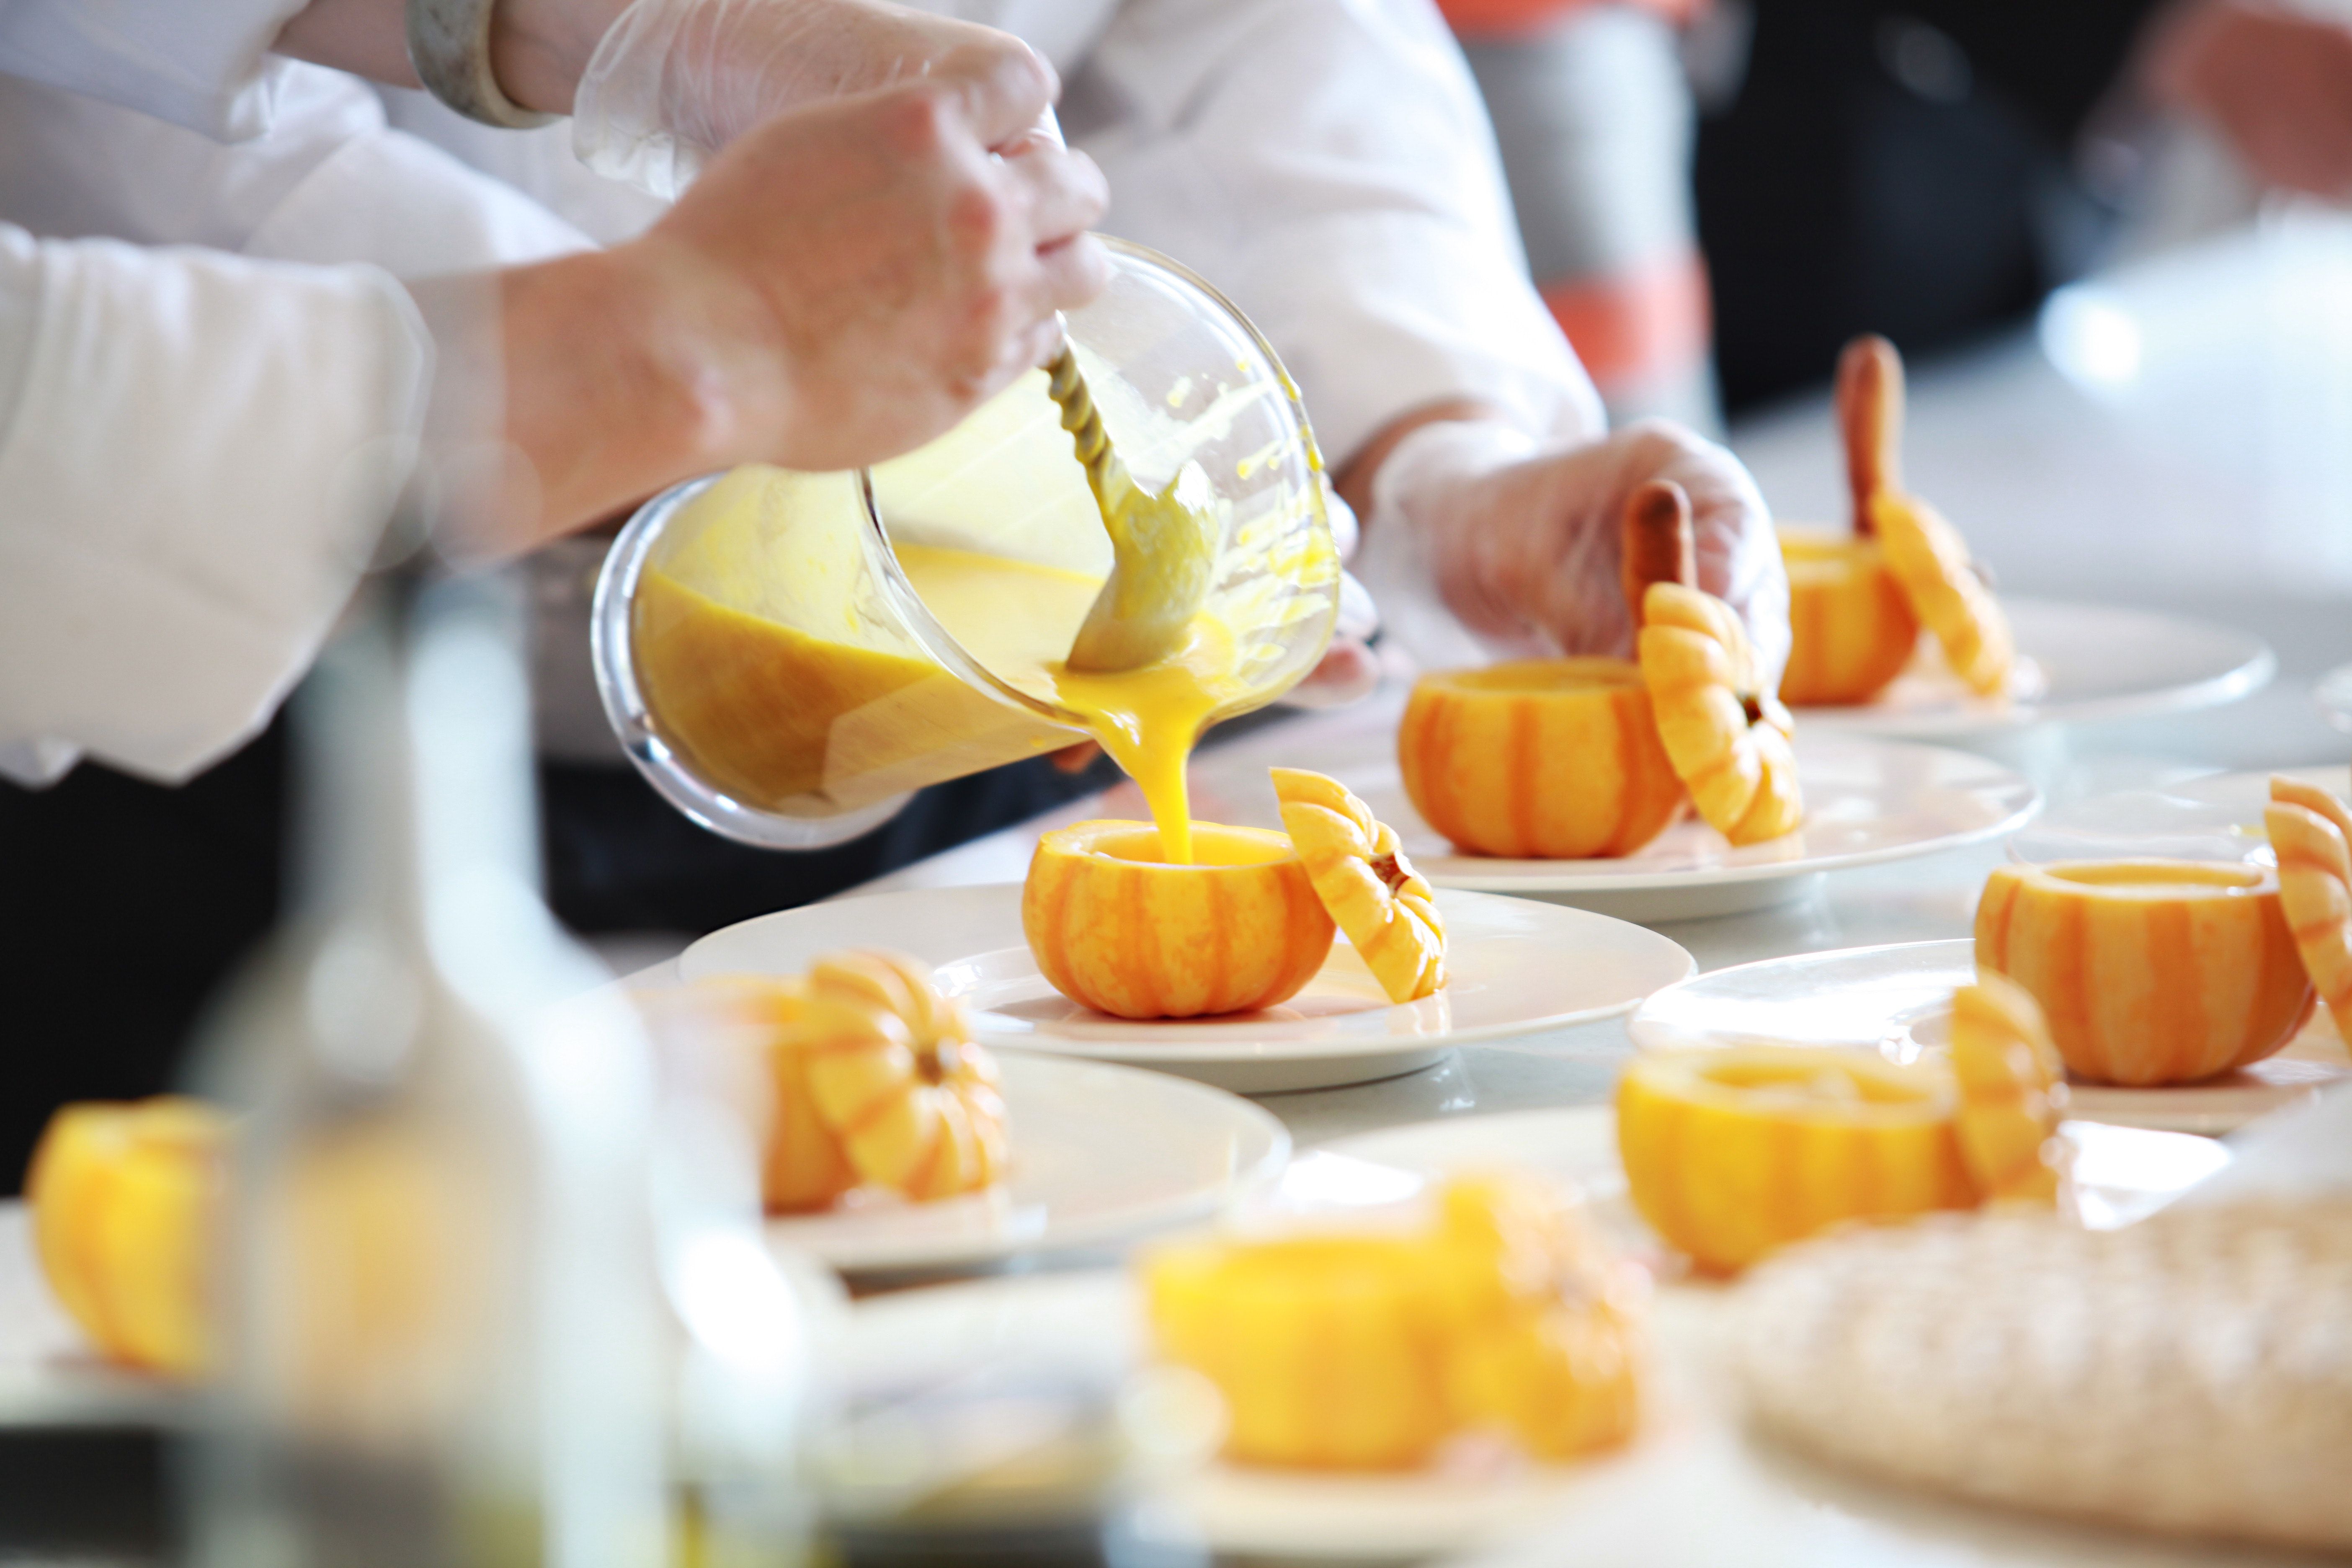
1477, 528
872, 270
672, 81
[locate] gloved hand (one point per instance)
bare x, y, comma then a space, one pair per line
863, 272
1520, 541
674, 81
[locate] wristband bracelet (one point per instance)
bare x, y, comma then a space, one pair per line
449, 45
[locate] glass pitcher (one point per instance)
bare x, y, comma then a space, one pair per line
788, 656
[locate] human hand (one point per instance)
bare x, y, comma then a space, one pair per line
1522, 544
872, 273
672, 81
2274, 79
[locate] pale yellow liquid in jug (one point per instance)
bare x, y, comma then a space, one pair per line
761, 705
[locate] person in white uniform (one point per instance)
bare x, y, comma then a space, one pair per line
199, 450
1326, 162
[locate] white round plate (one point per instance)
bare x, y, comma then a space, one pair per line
1099, 1154
1865, 801
2216, 817
1517, 968
1090, 1322
2090, 662
1899, 1000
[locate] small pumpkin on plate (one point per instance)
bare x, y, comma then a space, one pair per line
895, 1075
1361, 874
1728, 738
2013, 1090
1731, 1153
2311, 833
2149, 972
1115, 926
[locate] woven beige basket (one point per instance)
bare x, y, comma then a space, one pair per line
2191, 1373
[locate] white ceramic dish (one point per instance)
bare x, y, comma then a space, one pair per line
1091, 1321
1865, 801
2084, 662
1100, 1155
1517, 967
2216, 817
1897, 1000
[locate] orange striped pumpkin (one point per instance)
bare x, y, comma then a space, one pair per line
1555, 759
1852, 627
1113, 926
2148, 972
896, 1078
2311, 833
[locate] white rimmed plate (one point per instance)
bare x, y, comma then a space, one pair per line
2085, 662
1866, 801
1092, 1321
1517, 968
2216, 817
1100, 1155
1899, 1000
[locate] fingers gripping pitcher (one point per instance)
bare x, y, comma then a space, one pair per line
787, 656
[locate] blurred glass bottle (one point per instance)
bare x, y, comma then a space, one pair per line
443, 1344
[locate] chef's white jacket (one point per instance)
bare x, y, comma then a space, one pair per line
198, 448
171, 556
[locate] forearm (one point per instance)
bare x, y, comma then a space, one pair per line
622, 373
538, 47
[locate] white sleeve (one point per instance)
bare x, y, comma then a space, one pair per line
197, 453
199, 63
1329, 164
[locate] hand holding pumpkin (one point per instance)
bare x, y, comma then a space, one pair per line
1522, 543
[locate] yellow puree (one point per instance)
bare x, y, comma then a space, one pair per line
762, 706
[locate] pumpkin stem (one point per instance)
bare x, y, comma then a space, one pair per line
1870, 417
1753, 706
1659, 545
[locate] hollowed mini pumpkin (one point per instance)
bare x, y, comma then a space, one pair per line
1728, 738
1546, 759
1851, 624
2013, 1090
896, 1077
1114, 926
1360, 875
1367, 1349
1732, 1152
2311, 833
2149, 972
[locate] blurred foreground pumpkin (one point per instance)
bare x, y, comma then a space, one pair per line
123, 1199
1368, 1350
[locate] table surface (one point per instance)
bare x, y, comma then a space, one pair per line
2176, 440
